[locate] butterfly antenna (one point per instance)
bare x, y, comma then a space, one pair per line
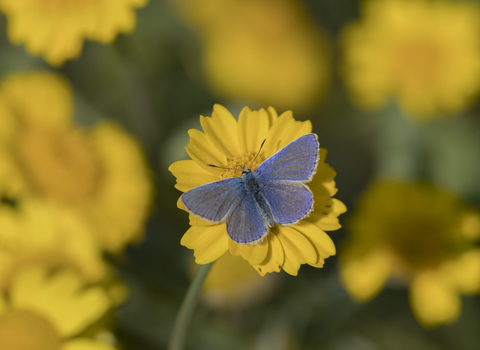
220, 167
257, 153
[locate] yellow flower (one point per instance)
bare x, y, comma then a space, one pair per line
55, 29
425, 54
265, 51
48, 312
228, 143
39, 233
233, 284
98, 175
417, 234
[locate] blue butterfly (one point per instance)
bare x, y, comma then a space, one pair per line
273, 194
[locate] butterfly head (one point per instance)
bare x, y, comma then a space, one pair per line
245, 170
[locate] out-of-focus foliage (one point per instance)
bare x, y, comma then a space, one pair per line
87, 202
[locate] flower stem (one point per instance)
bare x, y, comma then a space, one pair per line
178, 337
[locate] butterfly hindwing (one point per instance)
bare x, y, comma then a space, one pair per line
288, 202
297, 161
214, 200
245, 224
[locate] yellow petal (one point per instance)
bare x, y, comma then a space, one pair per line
464, 272
194, 221
471, 226
123, 198
2, 303
252, 129
322, 184
433, 300
62, 298
338, 207
67, 45
364, 277
327, 222
8, 124
108, 27
294, 234
57, 32
323, 155
272, 116
322, 190
291, 264
283, 131
255, 254
180, 204
297, 248
325, 214
275, 256
39, 98
297, 130
80, 246
25, 284
203, 152
86, 344
221, 128
190, 175
208, 243
321, 242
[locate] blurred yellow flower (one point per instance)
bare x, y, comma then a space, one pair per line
425, 54
228, 143
34, 231
263, 51
233, 284
40, 233
99, 176
55, 29
48, 312
417, 234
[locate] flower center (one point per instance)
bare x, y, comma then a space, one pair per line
236, 164
417, 62
59, 163
423, 245
25, 330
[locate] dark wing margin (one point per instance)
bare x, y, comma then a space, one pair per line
297, 161
245, 224
213, 201
288, 202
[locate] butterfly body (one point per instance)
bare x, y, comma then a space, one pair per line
253, 187
275, 193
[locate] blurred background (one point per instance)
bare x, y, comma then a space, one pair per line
391, 88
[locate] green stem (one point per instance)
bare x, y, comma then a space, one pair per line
178, 337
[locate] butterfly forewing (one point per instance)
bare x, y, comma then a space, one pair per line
297, 161
214, 200
289, 202
245, 224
